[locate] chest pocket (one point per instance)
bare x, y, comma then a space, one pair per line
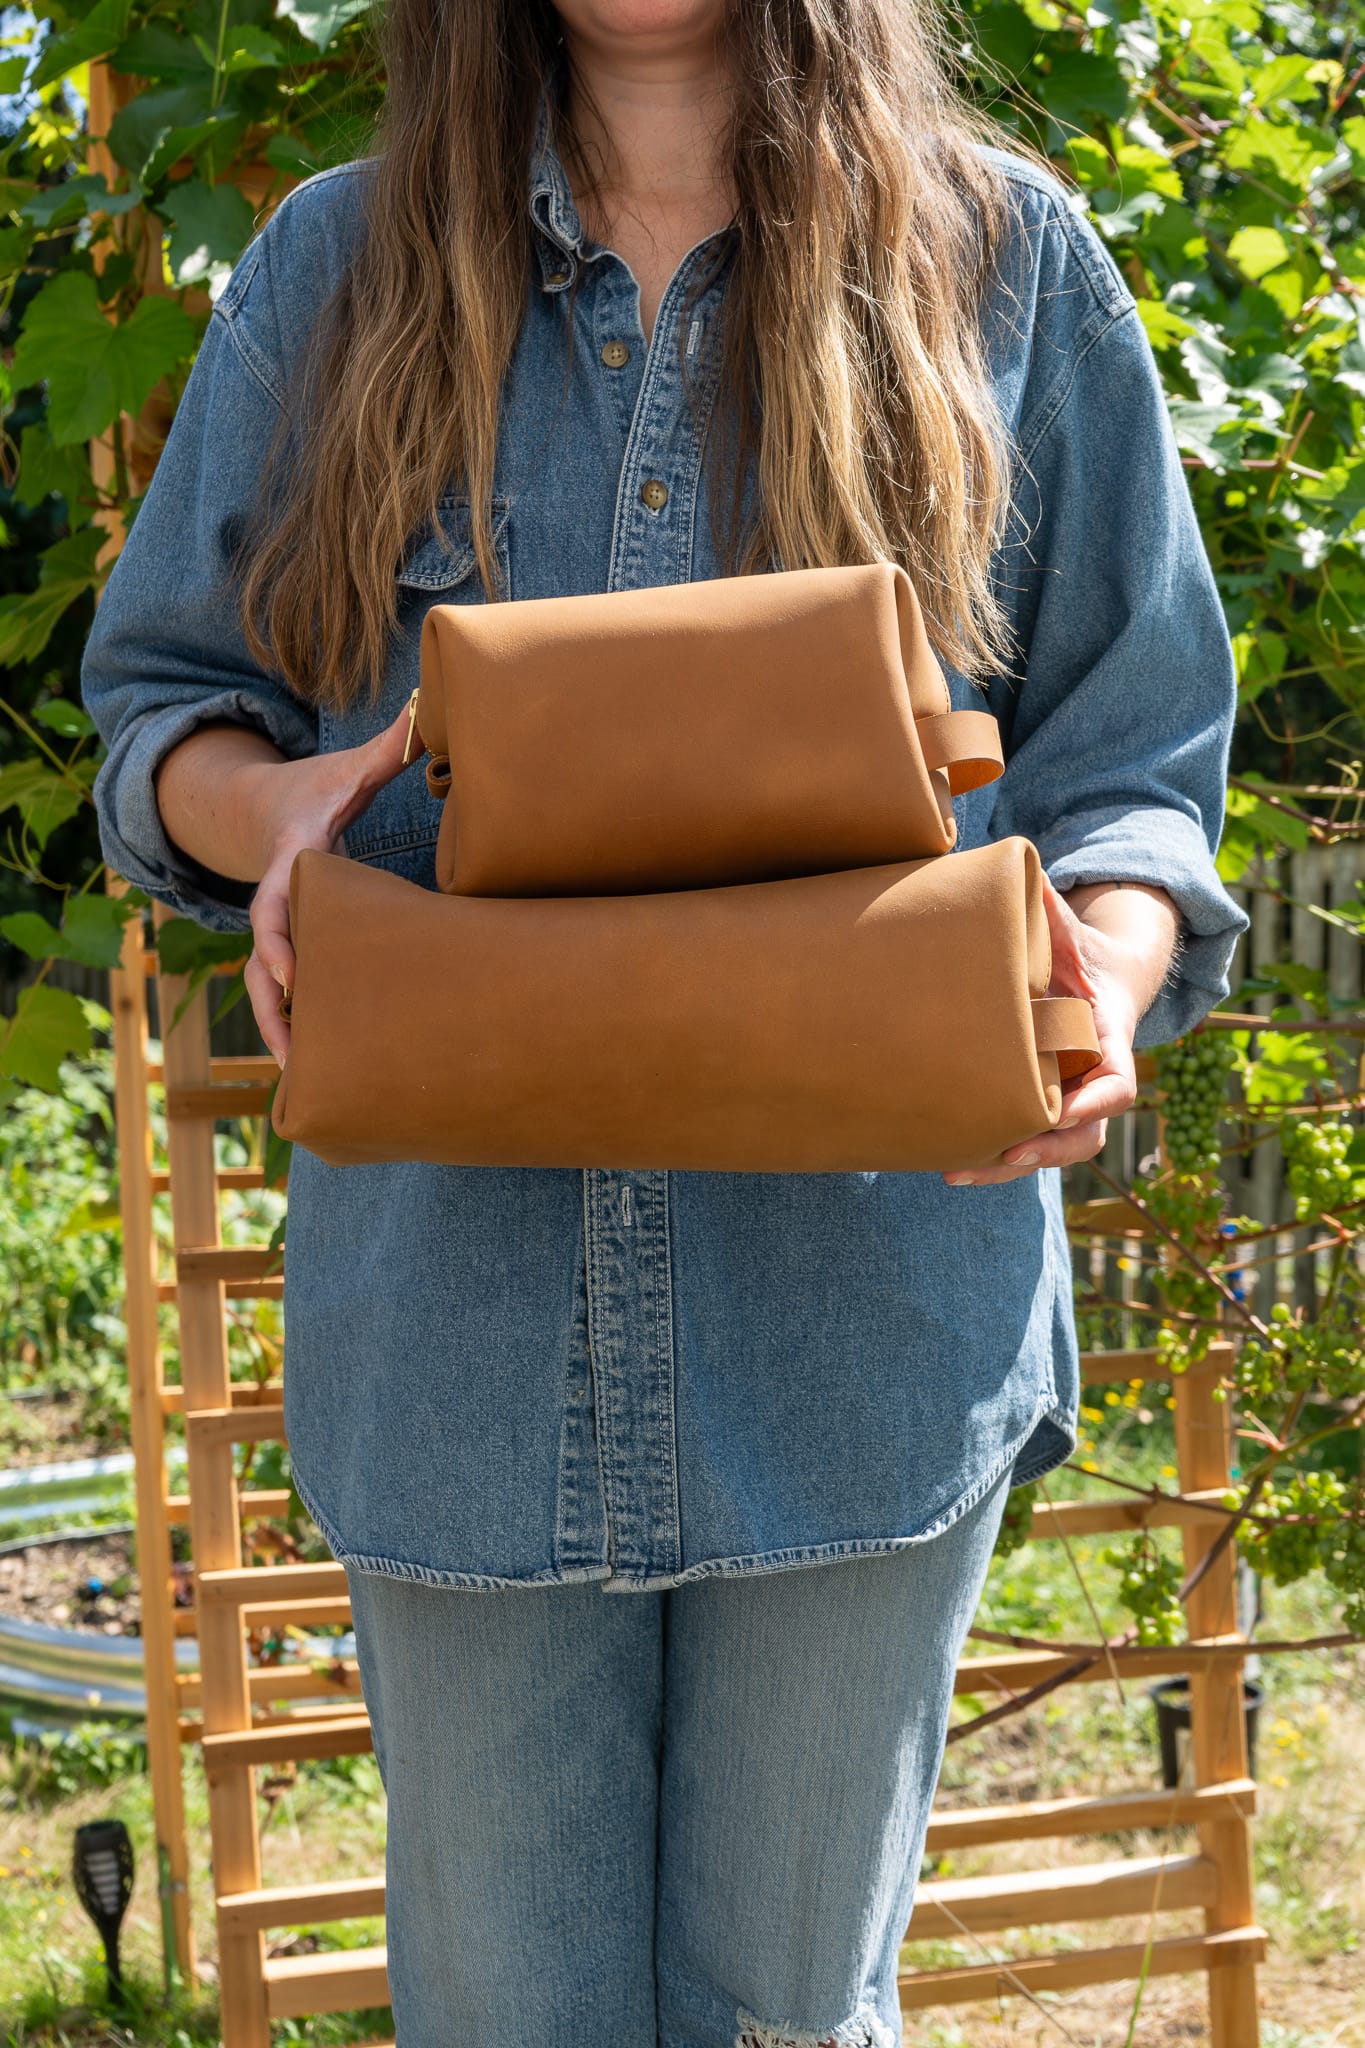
398, 828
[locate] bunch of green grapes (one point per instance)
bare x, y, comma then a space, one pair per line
1178, 1349
1344, 1566
1149, 1582
1191, 1209
1288, 1550
1325, 1357
1322, 1177
1193, 1076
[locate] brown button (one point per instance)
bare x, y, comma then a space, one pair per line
616, 355
558, 277
654, 494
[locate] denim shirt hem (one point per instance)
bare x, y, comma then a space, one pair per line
1052, 1425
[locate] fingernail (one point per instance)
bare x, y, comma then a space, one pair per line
960, 1180
1068, 1123
279, 1060
1021, 1158
278, 973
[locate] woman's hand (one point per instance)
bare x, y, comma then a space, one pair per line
291, 805
1119, 971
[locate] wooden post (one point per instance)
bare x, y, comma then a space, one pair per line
128, 1004
1203, 1456
215, 1518
1203, 1436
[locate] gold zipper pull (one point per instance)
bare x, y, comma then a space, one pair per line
412, 721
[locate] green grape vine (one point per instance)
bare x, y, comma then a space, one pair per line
1326, 1358
1308, 1511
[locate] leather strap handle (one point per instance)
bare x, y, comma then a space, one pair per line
966, 743
1065, 1025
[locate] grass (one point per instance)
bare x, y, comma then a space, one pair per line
329, 1822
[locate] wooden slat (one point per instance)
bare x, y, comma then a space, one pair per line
245, 1394
1102, 1814
283, 1682
302, 1905
1107, 1217
211, 1428
219, 967
226, 1176
1098, 1367
246, 1290
232, 1066
1040, 1898
217, 1099
289, 1741
1121, 1512
272, 1585
273, 1614
1014, 1671
1174, 1956
260, 1500
298, 1985
231, 1263
191, 1727
300, 1613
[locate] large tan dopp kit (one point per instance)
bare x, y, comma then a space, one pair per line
695, 904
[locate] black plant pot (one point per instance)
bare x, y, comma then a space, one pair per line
1171, 1698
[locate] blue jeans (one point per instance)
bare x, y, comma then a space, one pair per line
685, 1818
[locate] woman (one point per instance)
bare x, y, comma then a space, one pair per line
638, 292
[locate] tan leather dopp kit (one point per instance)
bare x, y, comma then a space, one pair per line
702, 733
695, 903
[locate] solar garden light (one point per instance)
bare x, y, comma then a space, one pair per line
102, 1866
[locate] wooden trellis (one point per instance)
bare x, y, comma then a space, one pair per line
246, 1718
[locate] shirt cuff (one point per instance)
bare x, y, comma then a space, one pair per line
133, 838
1167, 848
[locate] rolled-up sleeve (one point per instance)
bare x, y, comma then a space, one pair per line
1119, 719
166, 652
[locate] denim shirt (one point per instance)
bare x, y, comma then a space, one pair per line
522, 1376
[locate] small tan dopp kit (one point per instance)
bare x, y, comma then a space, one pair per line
696, 904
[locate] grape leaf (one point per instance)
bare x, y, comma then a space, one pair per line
94, 367
48, 1026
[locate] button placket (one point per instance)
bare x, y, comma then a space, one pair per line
629, 1258
580, 1513
656, 498
630, 1327
616, 328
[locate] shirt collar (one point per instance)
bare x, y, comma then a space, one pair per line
561, 244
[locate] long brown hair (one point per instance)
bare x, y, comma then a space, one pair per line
866, 228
